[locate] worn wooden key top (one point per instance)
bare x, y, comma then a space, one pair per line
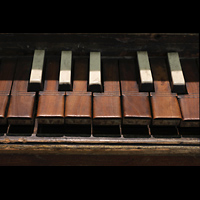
107, 105
22, 103
36, 82
135, 104
165, 107
78, 103
65, 71
176, 73
95, 84
7, 69
189, 103
146, 79
51, 102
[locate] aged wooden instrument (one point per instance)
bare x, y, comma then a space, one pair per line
99, 99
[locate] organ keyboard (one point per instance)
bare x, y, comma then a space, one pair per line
94, 98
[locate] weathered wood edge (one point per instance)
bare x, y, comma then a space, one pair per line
101, 140
89, 149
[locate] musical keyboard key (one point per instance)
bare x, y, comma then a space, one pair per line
106, 109
176, 73
146, 79
95, 84
21, 109
189, 103
51, 102
165, 107
65, 71
107, 105
78, 103
78, 108
22, 103
135, 104
36, 76
7, 69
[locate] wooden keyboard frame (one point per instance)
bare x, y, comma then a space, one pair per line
66, 150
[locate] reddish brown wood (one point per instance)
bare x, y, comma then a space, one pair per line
78, 108
189, 103
111, 77
81, 73
128, 76
107, 105
3, 105
21, 107
106, 110
7, 70
78, 103
191, 75
165, 110
165, 107
51, 102
136, 108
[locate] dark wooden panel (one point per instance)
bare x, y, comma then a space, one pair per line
118, 44
86, 155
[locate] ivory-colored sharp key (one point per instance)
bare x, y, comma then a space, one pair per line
95, 84
146, 79
36, 82
176, 73
65, 71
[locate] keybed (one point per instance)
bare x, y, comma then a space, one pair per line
96, 91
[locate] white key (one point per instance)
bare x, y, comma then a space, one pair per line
146, 79
177, 78
65, 71
95, 84
36, 82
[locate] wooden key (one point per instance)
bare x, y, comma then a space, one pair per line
165, 107
95, 84
146, 79
22, 103
176, 73
7, 69
36, 77
107, 105
106, 110
135, 104
65, 71
78, 108
51, 102
78, 103
189, 103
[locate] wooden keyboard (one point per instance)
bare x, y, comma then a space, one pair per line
137, 96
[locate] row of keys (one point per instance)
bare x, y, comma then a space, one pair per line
95, 80
120, 102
